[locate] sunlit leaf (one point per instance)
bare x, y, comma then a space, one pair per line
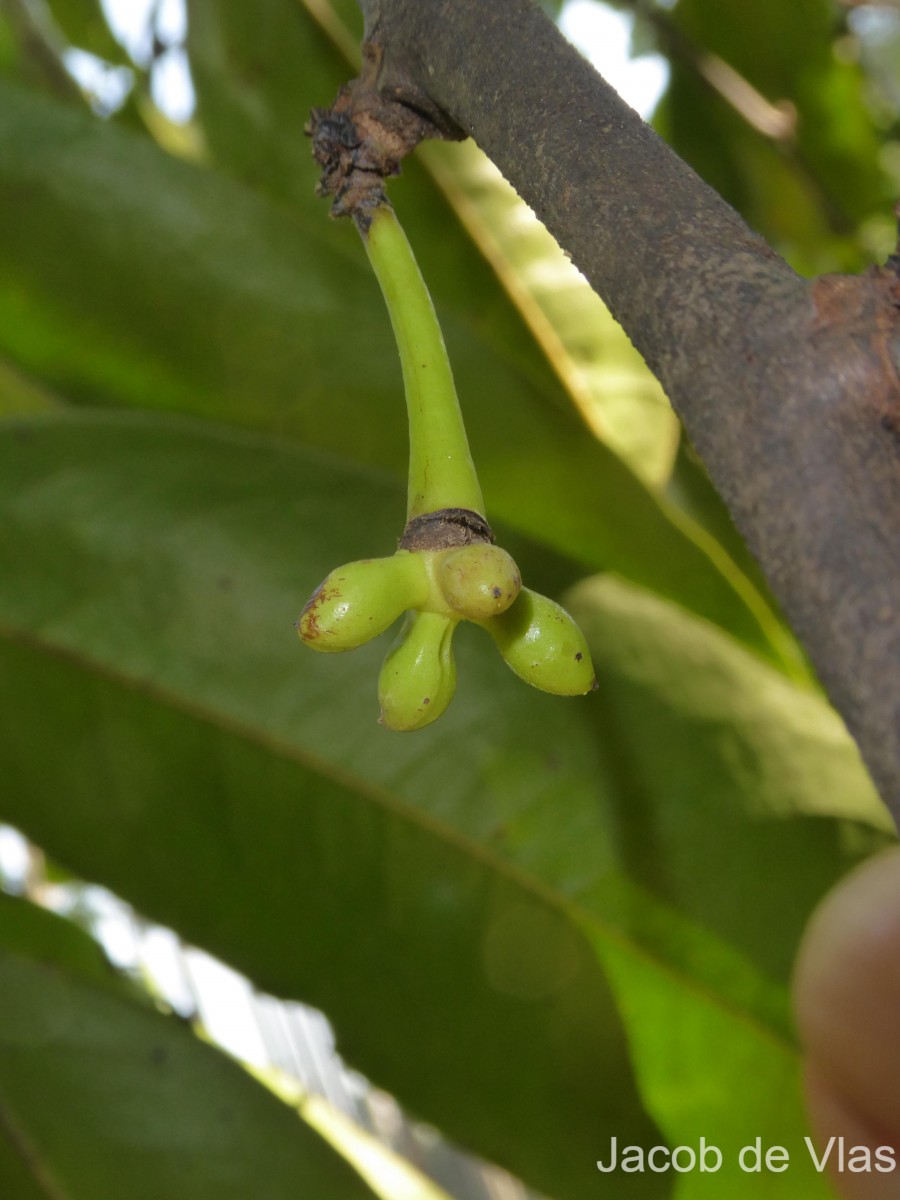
613, 388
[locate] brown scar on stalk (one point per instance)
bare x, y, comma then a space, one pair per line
445, 528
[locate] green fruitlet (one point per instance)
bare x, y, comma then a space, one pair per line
418, 678
358, 601
478, 581
543, 645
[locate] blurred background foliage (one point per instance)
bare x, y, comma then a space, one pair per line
540, 923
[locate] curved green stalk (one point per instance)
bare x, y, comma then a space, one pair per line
441, 472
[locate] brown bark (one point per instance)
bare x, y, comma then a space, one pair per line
787, 387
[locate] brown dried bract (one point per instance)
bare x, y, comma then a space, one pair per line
362, 139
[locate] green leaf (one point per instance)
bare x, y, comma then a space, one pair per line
207, 298
30, 57
253, 100
810, 192
470, 877
101, 1096
20, 395
26, 929
84, 25
722, 763
754, 1090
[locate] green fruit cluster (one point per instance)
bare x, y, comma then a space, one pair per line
438, 589
447, 569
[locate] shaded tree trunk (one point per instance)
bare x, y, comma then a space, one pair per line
788, 387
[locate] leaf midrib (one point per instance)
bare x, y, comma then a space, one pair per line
28, 1153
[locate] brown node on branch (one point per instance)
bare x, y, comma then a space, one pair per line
445, 528
864, 309
892, 266
362, 138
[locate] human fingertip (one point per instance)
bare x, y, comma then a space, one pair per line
861, 1160
846, 992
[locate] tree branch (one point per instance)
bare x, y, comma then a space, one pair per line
787, 387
